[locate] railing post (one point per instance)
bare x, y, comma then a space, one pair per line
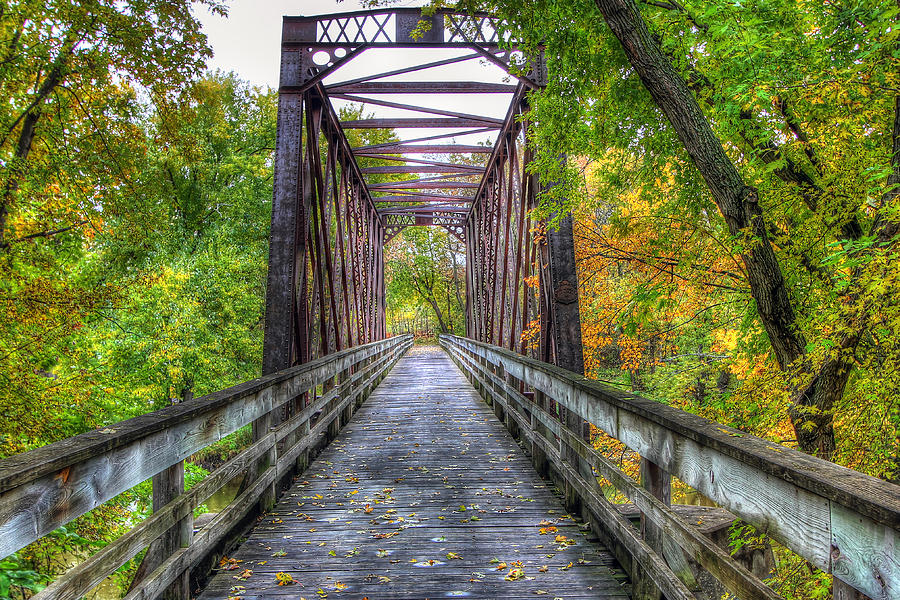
494, 392
511, 423
168, 485
334, 423
348, 411
260, 429
538, 456
302, 461
367, 389
658, 482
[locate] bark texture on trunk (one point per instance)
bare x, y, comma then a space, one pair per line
737, 201
739, 205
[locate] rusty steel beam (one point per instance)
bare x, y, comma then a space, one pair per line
429, 138
415, 123
422, 161
421, 169
391, 27
428, 185
329, 264
491, 57
425, 149
405, 70
416, 108
424, 87
441, 208
422, 198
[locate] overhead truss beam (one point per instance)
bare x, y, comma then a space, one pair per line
326, 267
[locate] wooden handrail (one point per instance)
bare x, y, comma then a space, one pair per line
47, 487
842, 521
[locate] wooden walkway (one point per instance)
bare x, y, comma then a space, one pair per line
423, 495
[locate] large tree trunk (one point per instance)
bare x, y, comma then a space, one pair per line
739, 205
437, 313
29, 119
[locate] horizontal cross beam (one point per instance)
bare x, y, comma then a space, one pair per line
403, 71
424, 87
421, 169
422, 198
428, 185
419, 210
417, 123
424, 149
424, 161
416, 108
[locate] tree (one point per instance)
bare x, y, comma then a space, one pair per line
73, 148
424, 265
66, 70
192, 321
744, 97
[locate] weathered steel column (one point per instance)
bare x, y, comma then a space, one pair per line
287, 247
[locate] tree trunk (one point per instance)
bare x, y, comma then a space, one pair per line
16, 168
437, 313
739, 205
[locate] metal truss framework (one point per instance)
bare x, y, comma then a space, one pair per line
335, 206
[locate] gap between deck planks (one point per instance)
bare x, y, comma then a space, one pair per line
422, 495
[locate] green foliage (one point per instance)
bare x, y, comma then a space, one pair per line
15, 574
803, 98
425, 272
155, 295
165, 300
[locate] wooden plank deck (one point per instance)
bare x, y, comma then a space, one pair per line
423, 495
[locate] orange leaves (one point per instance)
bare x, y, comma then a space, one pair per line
631, 353
381, 536
532, 334
229, 564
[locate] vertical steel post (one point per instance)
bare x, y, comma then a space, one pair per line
287, 242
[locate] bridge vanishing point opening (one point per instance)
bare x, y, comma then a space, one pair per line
461, 471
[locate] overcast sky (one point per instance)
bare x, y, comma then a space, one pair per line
248, 41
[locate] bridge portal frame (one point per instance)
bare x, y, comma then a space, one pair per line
325, 286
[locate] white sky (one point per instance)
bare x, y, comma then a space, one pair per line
249, 40
249, 43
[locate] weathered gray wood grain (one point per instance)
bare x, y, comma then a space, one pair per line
789, 495
29, 466
424, 438
864, 554
734, 576
86, 575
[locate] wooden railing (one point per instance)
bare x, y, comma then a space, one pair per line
46, 488
841, 521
